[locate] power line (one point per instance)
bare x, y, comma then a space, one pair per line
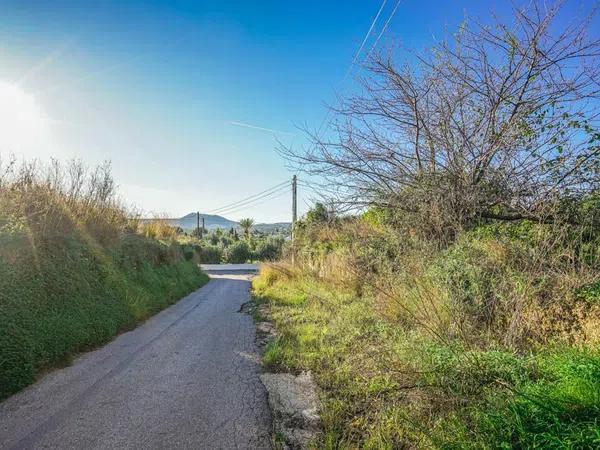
383, 30
385, 26
259, 201
364, 40
249, 198
325, 119
253, 200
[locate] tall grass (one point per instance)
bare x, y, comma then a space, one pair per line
73, 270
489, 342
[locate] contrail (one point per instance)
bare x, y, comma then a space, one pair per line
90, 75
111, 67
254, 127
55, 54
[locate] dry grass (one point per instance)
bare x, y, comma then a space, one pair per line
73, 272
55, 199
159, 228
489, 342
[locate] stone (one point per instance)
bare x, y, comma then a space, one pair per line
295, 406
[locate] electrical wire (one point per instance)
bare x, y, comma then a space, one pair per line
249, 198
364, 41
258, 201
254, 201
326, 118
385, 27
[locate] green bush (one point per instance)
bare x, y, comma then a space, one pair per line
211, 254
191, 252
488, 341
238, 252
66, 295
73, 270
268, 249
384, 387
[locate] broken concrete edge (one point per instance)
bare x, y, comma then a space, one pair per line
295, 406
293, 399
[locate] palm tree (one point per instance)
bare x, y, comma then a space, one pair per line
246, 224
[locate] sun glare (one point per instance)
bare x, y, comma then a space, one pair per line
23, 123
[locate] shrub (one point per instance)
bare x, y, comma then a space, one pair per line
191, 252
72, 273
489, 341
211, 254
159, 229
268, 249
238, 252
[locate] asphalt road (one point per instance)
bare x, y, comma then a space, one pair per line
187, 378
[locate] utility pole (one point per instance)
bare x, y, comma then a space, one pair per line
202, 229
294, 214
198, 224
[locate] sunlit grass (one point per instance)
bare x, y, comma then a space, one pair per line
73, 272
383, 387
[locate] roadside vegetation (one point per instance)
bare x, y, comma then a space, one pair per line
219, 245
455, 303
490, 342
74, 270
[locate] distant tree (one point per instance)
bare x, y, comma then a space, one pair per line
213, 238
198, 232
233, 234
246, 225
268, 249
317, 214
237, 253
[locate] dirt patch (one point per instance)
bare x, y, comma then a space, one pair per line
265, 330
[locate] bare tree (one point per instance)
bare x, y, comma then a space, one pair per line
498, 121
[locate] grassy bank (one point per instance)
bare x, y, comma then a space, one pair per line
74, 273
489, 343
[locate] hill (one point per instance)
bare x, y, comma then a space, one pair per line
213, 221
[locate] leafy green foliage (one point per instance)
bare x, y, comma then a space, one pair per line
246, 225
211, 254
218, 246
65, 295
236, 253
268, 249
387, 388
73, 269
317, 214
590, 293
489, 341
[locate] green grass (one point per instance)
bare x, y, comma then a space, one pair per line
66, 294
384, 387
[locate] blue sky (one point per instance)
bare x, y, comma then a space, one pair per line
160, 88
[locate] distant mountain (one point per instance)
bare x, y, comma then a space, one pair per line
212, 222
